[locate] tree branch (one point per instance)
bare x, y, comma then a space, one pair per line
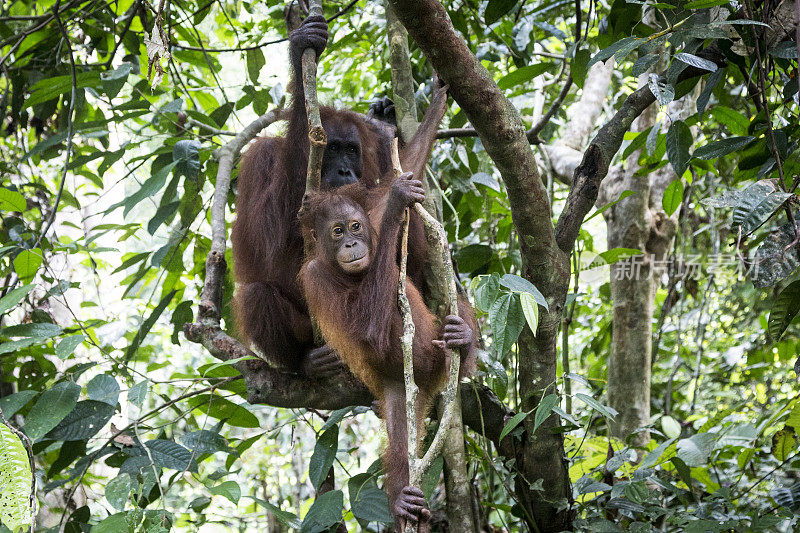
601, 151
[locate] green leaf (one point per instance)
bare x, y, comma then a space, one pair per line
530, 308
83, 422
255, 62
520, 284
673, 196
186, 154
785, 308
727, 146
783, 444
147, 325
224, 409
704, 4
711, 83
50, 409
653, 457
670, 426
16, 480
367, 501
103, 388
482, 178
693, 60
27, 263
679, 140
772, 262
52, 87
507, 322
169, 454
324, 454
514, 422
495, 9
35, 330
663, 92
625, 46
522, 75
205, 441
325, 512
149, 188
12, 403
14, 297
473, 256
138, 393
580, 66
67, 345
643, 64
284, 517
12, 200
544, 409
227, 489
756, 204
117, 491
114, 80
695, 450
597, 406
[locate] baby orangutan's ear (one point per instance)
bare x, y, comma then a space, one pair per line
313, 234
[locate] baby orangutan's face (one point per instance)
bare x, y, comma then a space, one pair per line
345, 236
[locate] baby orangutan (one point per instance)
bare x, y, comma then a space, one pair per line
350, 285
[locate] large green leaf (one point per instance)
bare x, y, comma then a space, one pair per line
776, 258
721, 148
205, 441
186, 154
520, 284
11, 200
673, 196
15, 482
367, 502
27, 263
227, 489
785, 308
522, 75
50, 409
14, 297
495, 9
324, 513
324, 454
14, 402
169, 454
679, 140
224, 409
507, 321
284, 517
83, 422
103, 388
756, 204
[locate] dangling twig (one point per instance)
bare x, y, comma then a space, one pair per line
451, 415
316, 134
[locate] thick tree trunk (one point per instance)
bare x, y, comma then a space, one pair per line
640, 222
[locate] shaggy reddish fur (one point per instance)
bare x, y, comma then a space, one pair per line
360, 319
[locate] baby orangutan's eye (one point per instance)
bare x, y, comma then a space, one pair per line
355, 226
337, 231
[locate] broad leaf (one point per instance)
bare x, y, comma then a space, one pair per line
50, 409
785, 308
83, 422
324, 513
323, 456
16, 480
756, 204
673, 196
679, 140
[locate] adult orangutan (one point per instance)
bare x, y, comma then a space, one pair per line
267, 243
350, 284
